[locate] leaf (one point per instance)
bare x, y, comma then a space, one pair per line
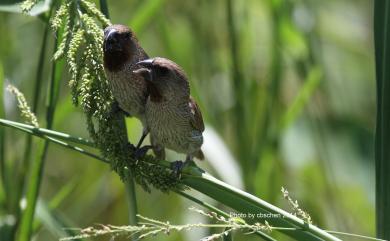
3, 175
382, 138
246, 203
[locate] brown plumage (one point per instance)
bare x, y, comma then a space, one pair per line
121, 54
172, 115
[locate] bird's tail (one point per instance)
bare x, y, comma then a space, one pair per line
199, 154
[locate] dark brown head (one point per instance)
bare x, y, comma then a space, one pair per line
119, 45
164, 77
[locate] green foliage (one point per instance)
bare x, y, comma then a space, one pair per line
306, 85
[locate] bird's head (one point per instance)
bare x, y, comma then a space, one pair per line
117, 38
164, 75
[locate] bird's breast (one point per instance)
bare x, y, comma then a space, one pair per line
129, 90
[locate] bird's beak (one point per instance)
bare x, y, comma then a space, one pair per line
145, 73
110, 41
108, 34
146, 63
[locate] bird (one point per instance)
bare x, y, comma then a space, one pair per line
121, 52
173, 117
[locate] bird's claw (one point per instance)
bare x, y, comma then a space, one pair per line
177, 167
131, 147
139, 153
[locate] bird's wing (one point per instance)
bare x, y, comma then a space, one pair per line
196, 115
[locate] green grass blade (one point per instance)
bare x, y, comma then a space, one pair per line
24, 230
25, 165
237, 79
246, 203
3, 175
145, 14
46, 132
104, 8
382, 139
300, 101
33, 186
35, 177
131, 201
219, 212
41, 134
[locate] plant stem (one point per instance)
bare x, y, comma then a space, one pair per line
46, 132
3, 171
32, 189
36, 172
382, 139
131, 201
40, 132
237, 78
104, 8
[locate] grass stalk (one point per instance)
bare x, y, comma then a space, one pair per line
46, 132
24, 167
40, 132
131, 201
3, 171
237, 78
382, 139
24, 230
36, 172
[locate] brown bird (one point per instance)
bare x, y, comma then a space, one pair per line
121, 54
172, 115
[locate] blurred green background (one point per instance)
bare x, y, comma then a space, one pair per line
286, 88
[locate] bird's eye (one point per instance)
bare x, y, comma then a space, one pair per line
162, 71
127, 35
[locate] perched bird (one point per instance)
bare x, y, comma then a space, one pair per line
172, 115
121, 54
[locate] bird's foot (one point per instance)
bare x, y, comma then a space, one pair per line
177, 168
139, 153
131, 147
